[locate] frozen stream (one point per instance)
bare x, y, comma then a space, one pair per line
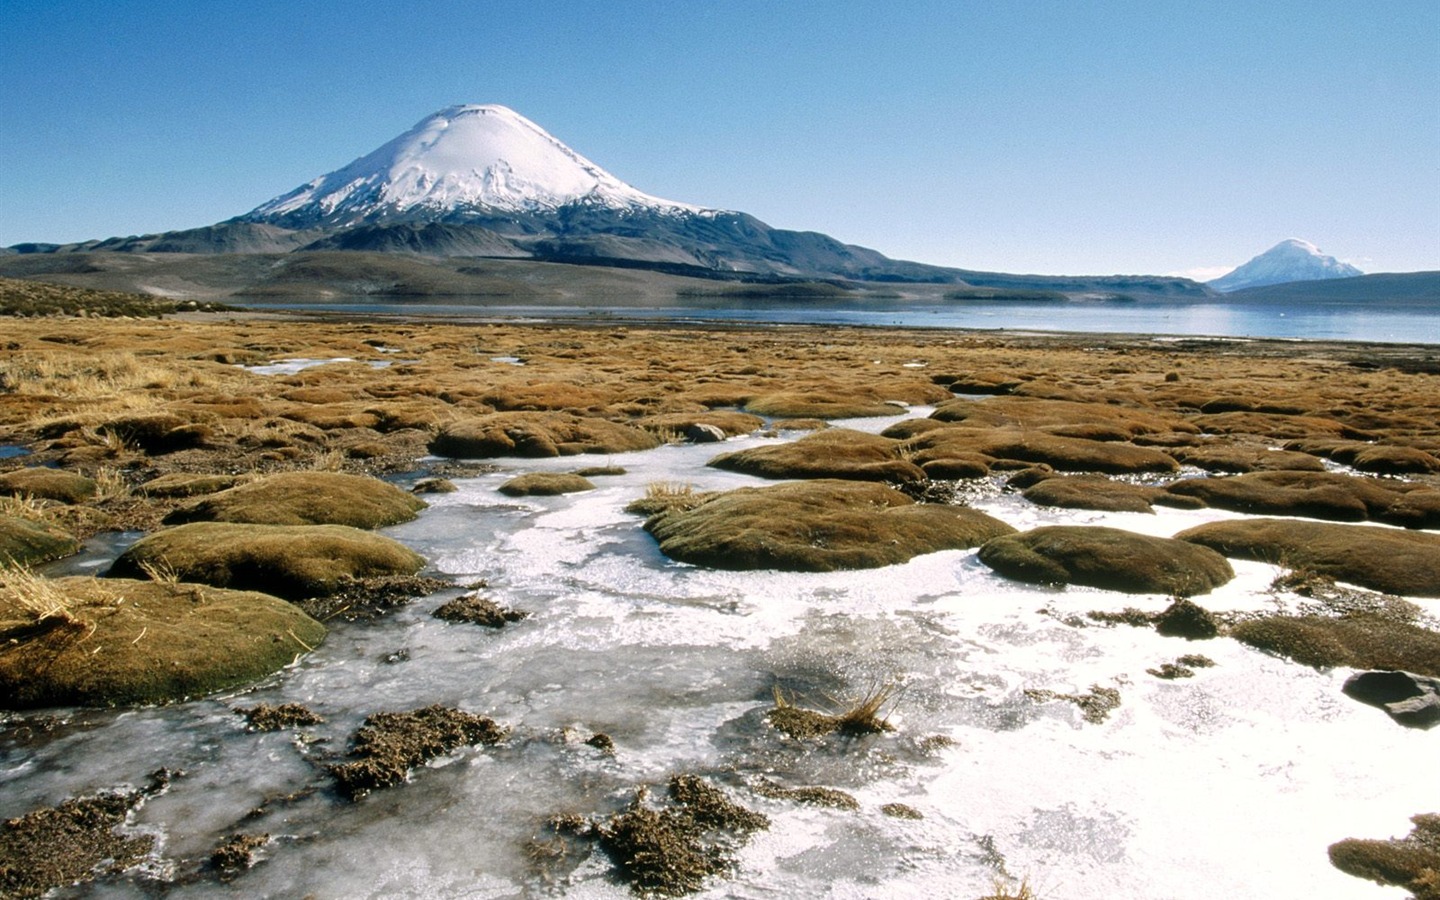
1230, 784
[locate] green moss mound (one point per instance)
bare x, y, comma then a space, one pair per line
122, 642
1382, 559
833, 453
306, 498
1358, 641
47, 484
1108, 558
545, 484
290, 561
816, 526
538, 434
25, 542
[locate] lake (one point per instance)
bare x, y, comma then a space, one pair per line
1387, 323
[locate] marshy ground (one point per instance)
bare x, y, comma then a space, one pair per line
223, 436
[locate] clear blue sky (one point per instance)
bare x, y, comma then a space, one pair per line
1053, 137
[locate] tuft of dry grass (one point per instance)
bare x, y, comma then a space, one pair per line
34, 598
24, 506
160, 570
863, 715
1007, 889
110, 484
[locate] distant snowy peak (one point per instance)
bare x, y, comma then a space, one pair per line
464, 159
1289, 260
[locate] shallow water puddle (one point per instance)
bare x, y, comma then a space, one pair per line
1228, 784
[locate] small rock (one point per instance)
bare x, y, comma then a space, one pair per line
1410, 699
703, 433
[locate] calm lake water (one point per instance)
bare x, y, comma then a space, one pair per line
1398, 323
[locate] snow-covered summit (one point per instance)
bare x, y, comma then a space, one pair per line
1290, 260
471, 158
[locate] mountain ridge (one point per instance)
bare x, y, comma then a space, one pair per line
483, 181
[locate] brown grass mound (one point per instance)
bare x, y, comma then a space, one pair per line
1358, 641
131, 642
1238, 458
821, 404
1411, 862
389, 745
538, 435
816, 526
184, 484
289, 561
545, 484
833, 453
1066, 454
69, 844
1108, 558
25, 541
1099, 492
1032, 412
730, 423
1382, 559
306, 498
47, 484
1319, 495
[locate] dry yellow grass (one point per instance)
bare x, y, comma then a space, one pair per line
28, 597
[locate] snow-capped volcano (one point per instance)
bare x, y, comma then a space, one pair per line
1289, 260
464, 159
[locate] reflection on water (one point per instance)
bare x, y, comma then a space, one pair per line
1371, 322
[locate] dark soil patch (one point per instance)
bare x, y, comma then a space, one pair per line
389, 745
237, 853
810, 796
1095, 705
266, 717
1188, 620
1411, 862
69, 844
359, 599
672, 851
1136, 618
901, 811
478, 610
1184, 667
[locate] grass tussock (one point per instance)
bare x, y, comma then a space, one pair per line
861, 716
665, 496
1009, 889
